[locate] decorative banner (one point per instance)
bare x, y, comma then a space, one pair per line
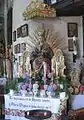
31, 103
22, 104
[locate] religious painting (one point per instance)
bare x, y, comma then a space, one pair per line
18, 48
72, 29
18, 32
22, 47
24, 30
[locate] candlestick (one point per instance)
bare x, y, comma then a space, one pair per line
56, 68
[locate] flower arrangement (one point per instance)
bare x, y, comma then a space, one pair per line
11, 85
37, 9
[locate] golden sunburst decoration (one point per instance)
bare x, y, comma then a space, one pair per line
37, 9
45, 38
44, 42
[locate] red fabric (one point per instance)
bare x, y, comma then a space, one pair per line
82, 88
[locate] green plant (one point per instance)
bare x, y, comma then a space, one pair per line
11, 84
20, 79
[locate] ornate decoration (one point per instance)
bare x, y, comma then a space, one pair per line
44, 44
37, 9
75, 73
60, 66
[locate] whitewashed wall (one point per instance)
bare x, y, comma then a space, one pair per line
58, 24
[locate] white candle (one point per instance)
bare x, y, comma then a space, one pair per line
56, 68
45, 68
74, 45
53, 65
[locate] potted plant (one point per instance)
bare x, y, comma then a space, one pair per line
11, 86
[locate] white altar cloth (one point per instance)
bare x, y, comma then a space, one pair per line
30, 103
77, 101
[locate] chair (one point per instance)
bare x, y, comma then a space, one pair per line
76, 114
38, 114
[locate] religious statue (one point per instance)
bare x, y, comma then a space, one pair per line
58, 65
41, 56
75, 73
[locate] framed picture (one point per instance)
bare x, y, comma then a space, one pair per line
24, 30
14, 36
18, 48
70, 45
18, 32
22, 47
72, 29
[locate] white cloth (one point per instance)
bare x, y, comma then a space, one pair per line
30, 103
77, 101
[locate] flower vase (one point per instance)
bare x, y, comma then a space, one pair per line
11, 92
23, 92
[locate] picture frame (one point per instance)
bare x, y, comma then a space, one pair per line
18, 32
72, 29
22, 47
70, 45
18, 48
24, 30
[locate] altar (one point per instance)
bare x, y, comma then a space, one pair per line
15, 106
41, 83
77, 101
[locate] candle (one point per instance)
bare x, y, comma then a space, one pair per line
54, 64
45, 69
75, 45
56, 68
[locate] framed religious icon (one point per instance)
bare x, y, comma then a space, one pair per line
70, 45
18, 48
22, 47
24, 30
18, 32
72, 29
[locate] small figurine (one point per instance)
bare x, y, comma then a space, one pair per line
24, 90
50, 90
35, 88
42, 93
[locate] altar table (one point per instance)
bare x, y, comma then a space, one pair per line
15, 106
77, 101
